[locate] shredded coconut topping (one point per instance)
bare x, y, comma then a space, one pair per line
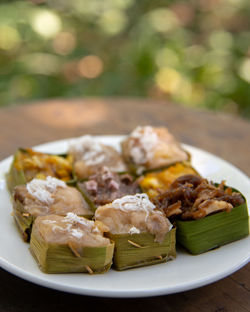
144, 140
73, 218
134, 230
134, 202
77, 233
96, 230
48, 221
57, 228
43, 189
89, 150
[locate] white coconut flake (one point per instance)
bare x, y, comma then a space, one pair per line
69, 226
144, 140
134, 230
134, 203
77, 233
54, 183
96, 230
57, 227
48, 221
43, 189
88, 150
72, 217
170, 226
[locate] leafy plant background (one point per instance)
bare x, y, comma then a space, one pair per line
195, 53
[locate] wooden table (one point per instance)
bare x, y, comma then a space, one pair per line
221, 134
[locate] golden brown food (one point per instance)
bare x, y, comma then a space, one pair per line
134, 214
70, 244
43, 197
50, 196
40, 165
148, 148
206, 215
191, 197
142, 234
72, 229
89, 156
157, 182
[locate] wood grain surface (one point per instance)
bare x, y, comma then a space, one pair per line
224, 135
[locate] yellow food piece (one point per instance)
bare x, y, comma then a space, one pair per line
40, 165
154, 183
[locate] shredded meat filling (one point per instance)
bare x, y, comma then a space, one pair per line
106, 186
191, 197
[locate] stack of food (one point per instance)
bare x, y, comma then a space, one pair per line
95, 208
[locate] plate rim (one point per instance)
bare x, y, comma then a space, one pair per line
121, 294
31, 277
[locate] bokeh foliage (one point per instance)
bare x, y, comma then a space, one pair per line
194, 52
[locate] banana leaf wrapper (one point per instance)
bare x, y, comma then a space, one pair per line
87, 198
14, 177
17, 176
155, 182
210, 232
137, 250
24, 220
62, 258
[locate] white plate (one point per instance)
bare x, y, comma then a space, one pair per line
184, 273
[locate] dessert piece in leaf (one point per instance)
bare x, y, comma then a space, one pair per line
105, 186
148, 148
44, 197
142, 234
70, 244
214, 230
89, 156
207, 215
29, 164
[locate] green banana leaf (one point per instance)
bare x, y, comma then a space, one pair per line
137, 250
62, 258
86, 197
212, 231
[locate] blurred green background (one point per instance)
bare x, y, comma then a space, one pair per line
196, 53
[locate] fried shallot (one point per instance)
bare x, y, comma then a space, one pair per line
191, 197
